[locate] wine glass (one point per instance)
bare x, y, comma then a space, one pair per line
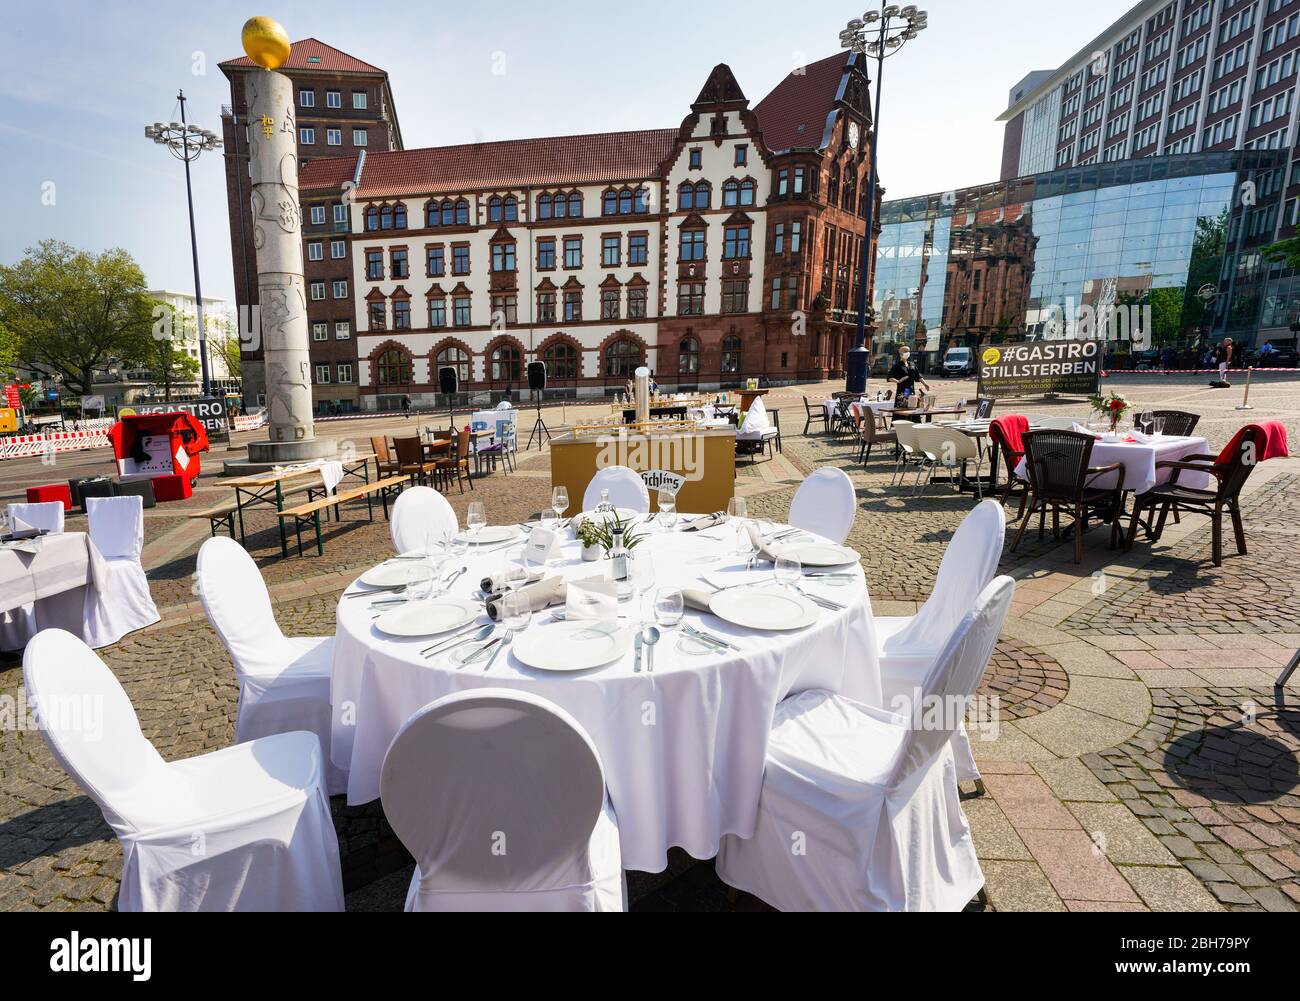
670, 605
560, 500
457, 546
788, 571
475, 519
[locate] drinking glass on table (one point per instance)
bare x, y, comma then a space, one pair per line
550, 519
669, 607
475, 519
419, 581
560, 500
737, 511
667, 509
516, 612
1158, 426
642, 569
788, 571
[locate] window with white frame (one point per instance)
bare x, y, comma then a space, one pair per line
360, 137
317, 291
322, 374
318, 215
334, 137
333, 99
342, 330
307, 136
345, 372
338, 249
306, 98
315, 251
340, 289
320, 332
359, 100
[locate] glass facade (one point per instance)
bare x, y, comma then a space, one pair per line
1142, 251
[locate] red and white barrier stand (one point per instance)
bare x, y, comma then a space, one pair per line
26, 446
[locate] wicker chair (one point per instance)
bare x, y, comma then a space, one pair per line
1057, 463
1230, 471
817, 416
1177, 422
410, 459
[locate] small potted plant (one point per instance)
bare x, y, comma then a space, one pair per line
590, 534
1110, 408
607, 529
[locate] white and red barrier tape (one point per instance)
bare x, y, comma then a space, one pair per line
1190, 371
25, 446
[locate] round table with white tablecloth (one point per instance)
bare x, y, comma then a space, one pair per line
683, 748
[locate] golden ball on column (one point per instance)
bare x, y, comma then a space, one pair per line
266, 42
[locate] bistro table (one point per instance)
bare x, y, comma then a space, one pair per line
1139, 461
683, 748
53, 579
270, 488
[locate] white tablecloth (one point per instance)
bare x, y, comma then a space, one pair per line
683, 748
875, 406
1140, 460
54, 580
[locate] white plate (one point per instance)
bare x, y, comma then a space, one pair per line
428, 618
391, 574
571, 646
491, 534
819, 554
769, 609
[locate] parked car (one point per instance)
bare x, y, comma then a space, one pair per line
1284, 355
1148, 359
958, 362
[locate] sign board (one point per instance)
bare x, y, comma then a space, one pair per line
8, 420
210, 411
92, 403
1035, 368
13, 396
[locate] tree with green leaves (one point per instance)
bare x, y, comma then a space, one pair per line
73, 311
1287, 252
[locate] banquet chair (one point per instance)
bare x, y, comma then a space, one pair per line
625, 486
814, 417
1058, 464
907, 646
47, 516
245, 828
121, 604
826, 504
418, 513
284, 681
500, 796
1229, 471
757, 430
859, 809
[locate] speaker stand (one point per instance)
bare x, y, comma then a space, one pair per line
540, 431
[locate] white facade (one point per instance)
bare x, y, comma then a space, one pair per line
219, 319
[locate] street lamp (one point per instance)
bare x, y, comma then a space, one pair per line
880, 34
186, 142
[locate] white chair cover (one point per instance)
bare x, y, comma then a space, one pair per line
247, 828
860, 809
755, 418
908, 645
825, 503
125, 604
500, 796
284, 682
418, 512
47, 515
625, 486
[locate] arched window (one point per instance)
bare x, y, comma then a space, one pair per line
393, 368
543, 206
703, 195
685, 197
731, 354
448, 213
833, 186
399, 216
747, 189
850, 192
575, 205
505, 364
642, 201
494, 209
625, 203
510, 208
561, 360
688, 356
731, 194
386, 217
609, 203
454, 357
462, 213
431, 214
561, 206
372, 218
622, 358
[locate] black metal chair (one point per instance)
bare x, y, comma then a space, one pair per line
814, 417
1058, 466
1230, 476
842, 421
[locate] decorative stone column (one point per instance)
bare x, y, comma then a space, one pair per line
277, 239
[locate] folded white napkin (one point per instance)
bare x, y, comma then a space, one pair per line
1139, 436
766, 551
552, 591
1082, 429
592, 600
511, 577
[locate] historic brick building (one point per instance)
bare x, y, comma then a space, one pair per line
343, 106
724, 249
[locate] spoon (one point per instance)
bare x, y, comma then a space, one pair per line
479, 636
651, 634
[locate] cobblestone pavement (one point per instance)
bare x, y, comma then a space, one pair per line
1140, 758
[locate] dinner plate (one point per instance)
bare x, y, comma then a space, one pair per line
490, 535
428, 618
391, 574
571, 646
768, 609
819, 554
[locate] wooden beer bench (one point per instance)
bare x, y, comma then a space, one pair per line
221, 516
310, 510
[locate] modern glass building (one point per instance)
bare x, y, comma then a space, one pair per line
1153, 249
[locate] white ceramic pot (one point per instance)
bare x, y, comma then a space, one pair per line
591, 553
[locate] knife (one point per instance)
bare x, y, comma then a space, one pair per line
636, 645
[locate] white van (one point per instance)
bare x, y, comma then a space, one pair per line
958, 362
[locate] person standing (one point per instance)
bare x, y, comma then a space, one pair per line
406, 407
905, 376
1223, 357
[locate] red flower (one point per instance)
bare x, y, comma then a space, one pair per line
1116, 404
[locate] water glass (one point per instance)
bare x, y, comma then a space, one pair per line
667, 510
419, 581
516, 611
737, 509
788, 571
550, 519
670, 605
1158, 426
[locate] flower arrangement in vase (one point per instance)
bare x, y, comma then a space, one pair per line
1110, 408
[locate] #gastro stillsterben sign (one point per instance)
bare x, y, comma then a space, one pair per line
1032, 368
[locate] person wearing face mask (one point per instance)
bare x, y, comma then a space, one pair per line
905, 376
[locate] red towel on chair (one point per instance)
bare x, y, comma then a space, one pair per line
1012, 427
1271, 443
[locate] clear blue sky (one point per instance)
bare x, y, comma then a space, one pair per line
80, 78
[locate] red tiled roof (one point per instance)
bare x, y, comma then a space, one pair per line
794, 113
554, 160
313, 54
326, 172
